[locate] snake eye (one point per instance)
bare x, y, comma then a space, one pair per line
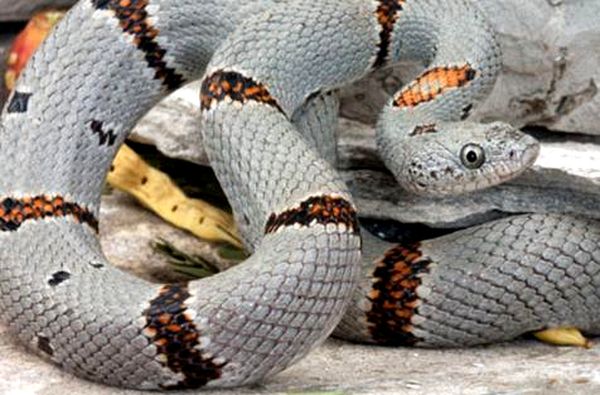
472, 156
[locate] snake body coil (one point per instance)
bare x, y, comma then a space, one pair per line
109, 61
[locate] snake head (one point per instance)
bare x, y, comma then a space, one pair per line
462, 157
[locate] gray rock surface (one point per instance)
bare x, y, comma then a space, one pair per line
551, 72
174, 126
338, 368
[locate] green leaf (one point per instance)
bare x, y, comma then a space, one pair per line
191, 265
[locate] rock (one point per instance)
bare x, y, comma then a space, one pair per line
551, 73
21, 10
336, 367
174, 126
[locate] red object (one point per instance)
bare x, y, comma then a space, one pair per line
28, 41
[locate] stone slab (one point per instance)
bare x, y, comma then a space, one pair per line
337, 368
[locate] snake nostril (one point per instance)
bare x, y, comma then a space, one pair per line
512, 154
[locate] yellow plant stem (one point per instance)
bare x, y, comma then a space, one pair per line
563, 337
155, 190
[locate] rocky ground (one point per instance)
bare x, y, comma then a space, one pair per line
337, 368
549, 85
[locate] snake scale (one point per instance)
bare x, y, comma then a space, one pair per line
269, 68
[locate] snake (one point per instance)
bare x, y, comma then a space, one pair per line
269, 71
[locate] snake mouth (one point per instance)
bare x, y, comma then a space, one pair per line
514, 167
518, 160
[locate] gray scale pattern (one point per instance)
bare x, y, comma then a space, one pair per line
92, 322
495, 282
263, 315
500, 280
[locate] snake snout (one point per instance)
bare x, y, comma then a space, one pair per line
520, 153
530, 152
512, 150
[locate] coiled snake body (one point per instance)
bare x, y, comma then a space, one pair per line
109, 61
